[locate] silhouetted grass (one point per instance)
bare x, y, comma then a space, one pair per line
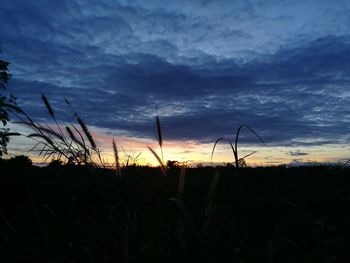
116, 158
235, 147
82, 212
59, 141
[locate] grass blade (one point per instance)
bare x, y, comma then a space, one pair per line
217, 141
236, 141
162, 167
116, 156
182, 181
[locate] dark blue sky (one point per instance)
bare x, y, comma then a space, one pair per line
282, 67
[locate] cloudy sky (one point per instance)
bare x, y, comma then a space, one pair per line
205, 67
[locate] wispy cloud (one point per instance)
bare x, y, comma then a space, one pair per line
297, 153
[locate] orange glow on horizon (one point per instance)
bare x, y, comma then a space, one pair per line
191, 152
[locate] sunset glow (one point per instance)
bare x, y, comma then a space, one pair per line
204, 68
193, 153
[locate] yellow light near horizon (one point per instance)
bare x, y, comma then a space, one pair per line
192, 152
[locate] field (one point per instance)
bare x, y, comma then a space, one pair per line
81, 214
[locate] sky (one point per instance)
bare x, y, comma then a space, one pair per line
205, 67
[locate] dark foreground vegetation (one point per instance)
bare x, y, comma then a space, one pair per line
72, 214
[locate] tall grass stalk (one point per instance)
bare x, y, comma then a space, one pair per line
213, 185
182, 181
116, 157
86, 132
179, 204
159, 137
160, 142
90, 138
210, 207
48, 106
161, 164
52, 114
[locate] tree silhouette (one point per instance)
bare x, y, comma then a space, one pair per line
4, 100
172, 164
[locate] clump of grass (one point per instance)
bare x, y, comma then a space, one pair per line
235, 146
130, 158
68, 144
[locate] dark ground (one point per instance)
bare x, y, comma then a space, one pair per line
71, 214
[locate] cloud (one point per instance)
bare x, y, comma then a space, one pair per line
204, 68
297, 153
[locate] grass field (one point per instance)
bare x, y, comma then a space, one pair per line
80, 214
